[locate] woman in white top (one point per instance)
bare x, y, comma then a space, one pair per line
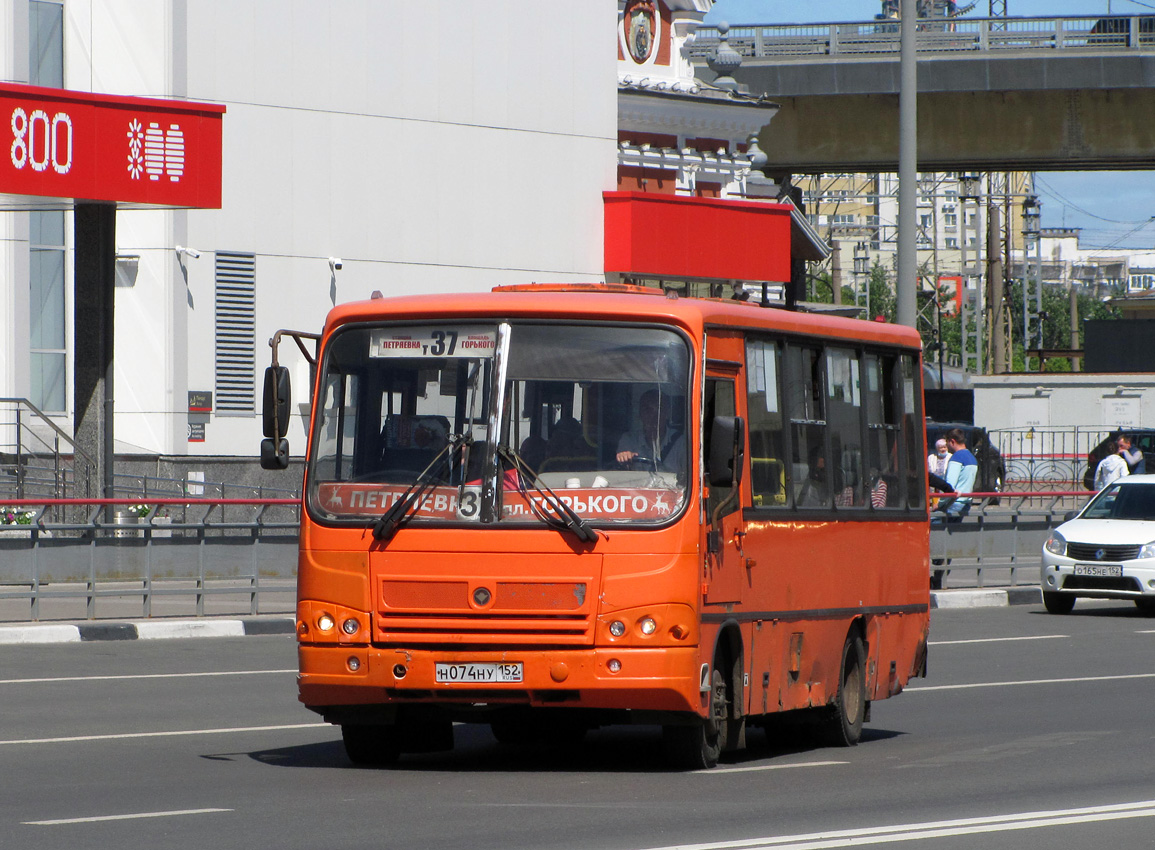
936, 463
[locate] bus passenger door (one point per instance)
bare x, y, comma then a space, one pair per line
725, 567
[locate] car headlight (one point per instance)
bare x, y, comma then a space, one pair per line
1148, 551
1056, 544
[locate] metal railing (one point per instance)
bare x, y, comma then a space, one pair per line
1001, 545
87, 559
213, 556
37, 458
954, 35
1051, 458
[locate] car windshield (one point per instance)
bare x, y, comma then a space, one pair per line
416, 405
1123, 501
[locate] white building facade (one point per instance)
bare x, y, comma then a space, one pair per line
428, 147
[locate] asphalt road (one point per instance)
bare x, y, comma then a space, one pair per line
1032, 731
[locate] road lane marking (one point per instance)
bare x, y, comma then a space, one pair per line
927, 688
59, 821
143, 676
932, 829
996, 640
128, 735
718, 771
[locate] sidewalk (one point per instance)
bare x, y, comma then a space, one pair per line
284, 624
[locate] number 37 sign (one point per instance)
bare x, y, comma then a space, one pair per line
75, 145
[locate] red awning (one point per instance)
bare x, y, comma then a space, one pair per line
673, 236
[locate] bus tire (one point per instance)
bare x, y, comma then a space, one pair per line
1058, 603
371, 746
697, 745
843, 724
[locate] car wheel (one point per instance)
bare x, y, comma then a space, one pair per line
1146, 606
1058, 603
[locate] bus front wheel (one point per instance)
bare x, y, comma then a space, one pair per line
698, 745
847, 713
371, 746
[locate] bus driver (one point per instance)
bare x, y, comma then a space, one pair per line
655, 441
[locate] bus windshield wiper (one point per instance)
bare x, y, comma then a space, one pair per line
402, 508
563, 517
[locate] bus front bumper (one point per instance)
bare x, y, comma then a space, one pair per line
666, 679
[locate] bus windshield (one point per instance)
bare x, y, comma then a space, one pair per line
590, 415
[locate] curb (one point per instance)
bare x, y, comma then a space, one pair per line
986, 598
145, 630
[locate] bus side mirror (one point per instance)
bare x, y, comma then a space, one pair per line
274, 455
275, 418
727, 437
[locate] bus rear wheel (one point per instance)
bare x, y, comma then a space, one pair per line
371, 746
843, 724
698, 745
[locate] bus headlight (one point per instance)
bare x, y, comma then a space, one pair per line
647, 626
617, 628
325, 622
350, 626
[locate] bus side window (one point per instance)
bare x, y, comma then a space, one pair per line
810, 470
764, 412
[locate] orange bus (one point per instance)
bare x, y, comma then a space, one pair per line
551, 508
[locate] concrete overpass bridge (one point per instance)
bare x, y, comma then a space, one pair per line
995, 94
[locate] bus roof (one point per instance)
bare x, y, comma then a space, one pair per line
617, 302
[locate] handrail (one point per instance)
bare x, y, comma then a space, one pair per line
76, 450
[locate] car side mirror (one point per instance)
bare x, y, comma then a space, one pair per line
1070, 515
727, 439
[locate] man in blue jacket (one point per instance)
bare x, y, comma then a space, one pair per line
960, 475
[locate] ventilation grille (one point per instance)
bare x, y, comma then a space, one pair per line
236, 333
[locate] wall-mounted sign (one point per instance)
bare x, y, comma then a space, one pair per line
200, 401
68, 144
196, 432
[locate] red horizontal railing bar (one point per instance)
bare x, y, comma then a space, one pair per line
147, 501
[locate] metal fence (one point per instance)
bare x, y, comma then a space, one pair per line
1052, 458
237, 556
92, 559
1001, 545
955, 35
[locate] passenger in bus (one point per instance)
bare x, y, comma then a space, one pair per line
567, 449
656, 439
815, 490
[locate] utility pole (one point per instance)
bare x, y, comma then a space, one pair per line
996, 339
1076, 362
835, 271
907, 283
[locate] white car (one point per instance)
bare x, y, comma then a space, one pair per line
1107, 551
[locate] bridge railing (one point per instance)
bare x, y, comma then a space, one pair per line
882, 37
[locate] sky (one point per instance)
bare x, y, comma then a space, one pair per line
1114, 209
